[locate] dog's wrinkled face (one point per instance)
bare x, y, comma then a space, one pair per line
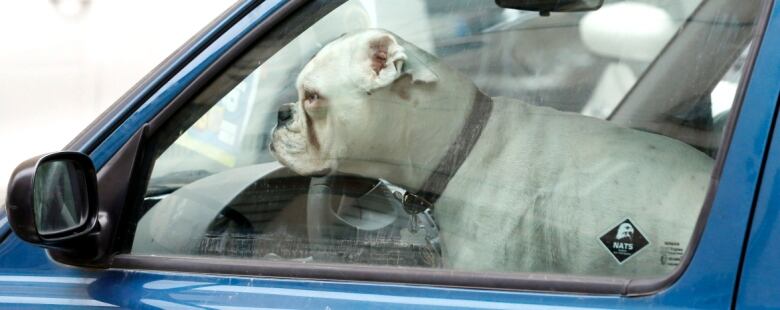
345, 93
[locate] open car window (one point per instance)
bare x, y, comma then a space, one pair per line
457, 135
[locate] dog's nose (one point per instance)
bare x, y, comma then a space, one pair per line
285, 114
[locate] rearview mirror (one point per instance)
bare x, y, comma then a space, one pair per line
52, 198
544, 7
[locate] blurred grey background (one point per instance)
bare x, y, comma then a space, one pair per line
62, 62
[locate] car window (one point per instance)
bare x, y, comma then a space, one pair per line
457, 135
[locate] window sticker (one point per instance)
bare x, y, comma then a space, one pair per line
672, 253
624, 240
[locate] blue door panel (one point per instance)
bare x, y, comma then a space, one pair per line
204, 291
759, 286
36, 280
29, 278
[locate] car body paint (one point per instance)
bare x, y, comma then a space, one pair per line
760, 279
28, 276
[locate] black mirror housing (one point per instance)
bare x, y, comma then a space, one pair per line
52, 199
544, 7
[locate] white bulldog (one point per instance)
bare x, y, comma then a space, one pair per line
540, 191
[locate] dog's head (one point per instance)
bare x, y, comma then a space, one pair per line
352, 96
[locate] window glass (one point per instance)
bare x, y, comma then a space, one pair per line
457, 135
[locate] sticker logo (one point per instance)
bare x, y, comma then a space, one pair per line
672, 253
624, 240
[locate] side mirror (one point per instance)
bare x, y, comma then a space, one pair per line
52, 199
544, 7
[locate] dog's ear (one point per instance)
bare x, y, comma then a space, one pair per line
389, 61
418, 69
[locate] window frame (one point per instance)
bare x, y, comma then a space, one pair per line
447, 278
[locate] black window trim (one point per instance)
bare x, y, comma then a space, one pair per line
435, 277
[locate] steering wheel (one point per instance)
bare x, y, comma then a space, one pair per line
337, 218
363, 220
231, 222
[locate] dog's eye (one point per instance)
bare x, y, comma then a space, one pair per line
311, 96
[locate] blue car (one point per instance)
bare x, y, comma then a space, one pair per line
196, 191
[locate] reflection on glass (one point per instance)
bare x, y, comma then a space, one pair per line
59, 204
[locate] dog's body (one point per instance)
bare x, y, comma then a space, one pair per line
538, 189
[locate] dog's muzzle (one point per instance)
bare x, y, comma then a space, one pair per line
285, 114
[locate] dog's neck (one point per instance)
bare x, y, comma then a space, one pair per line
459, 150
435, 122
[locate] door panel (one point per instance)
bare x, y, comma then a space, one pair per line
760, 277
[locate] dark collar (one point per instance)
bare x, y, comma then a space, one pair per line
459, 150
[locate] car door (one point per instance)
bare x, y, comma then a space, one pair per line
183, 162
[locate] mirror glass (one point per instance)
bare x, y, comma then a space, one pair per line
60, 197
